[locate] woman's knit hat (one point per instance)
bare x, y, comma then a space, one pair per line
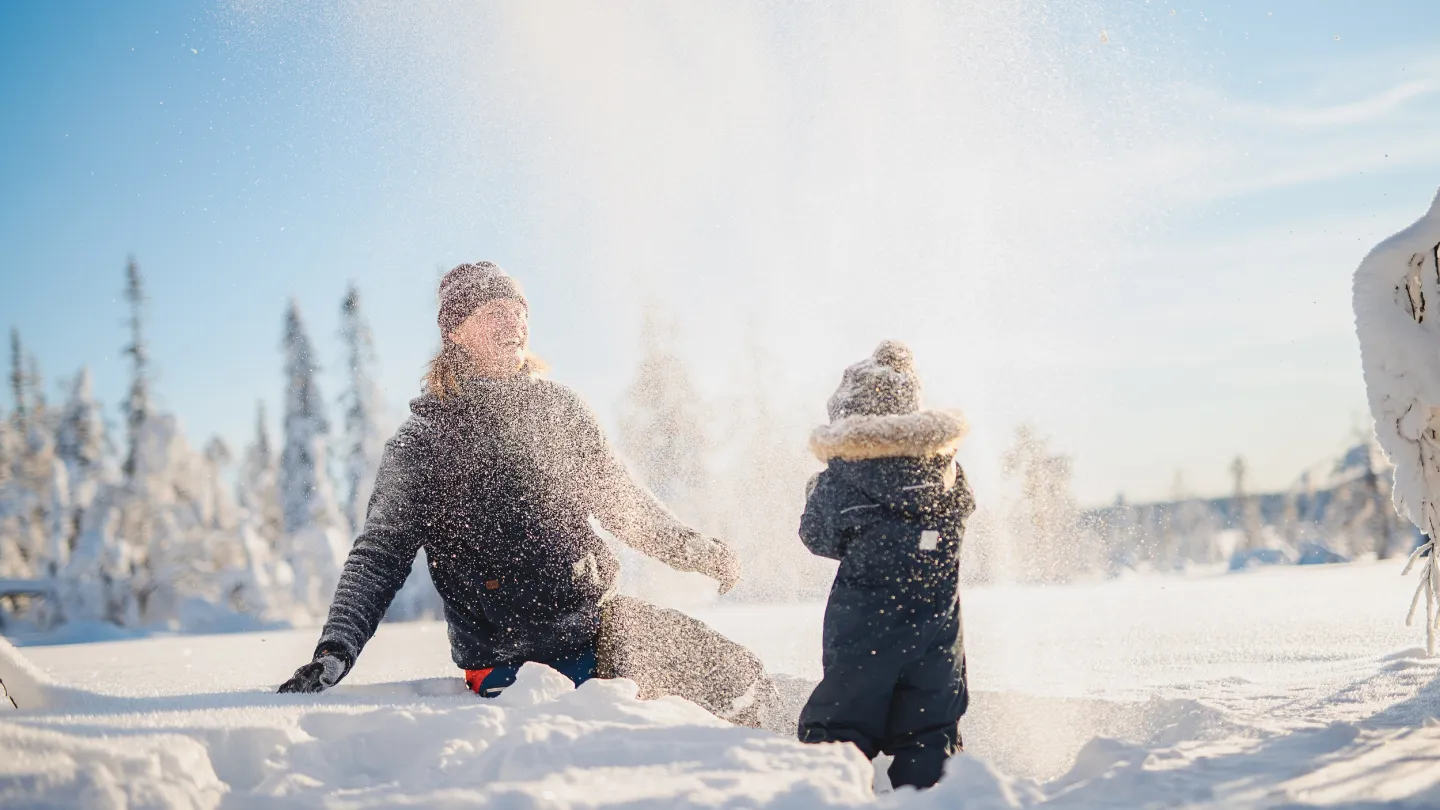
883, 384
466, 287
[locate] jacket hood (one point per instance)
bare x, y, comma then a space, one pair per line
911, 435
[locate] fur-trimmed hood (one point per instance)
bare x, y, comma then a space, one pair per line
915, 435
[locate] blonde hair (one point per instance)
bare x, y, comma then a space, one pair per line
450, 366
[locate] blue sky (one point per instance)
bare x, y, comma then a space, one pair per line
1132, 224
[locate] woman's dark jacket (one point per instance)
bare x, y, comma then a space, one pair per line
499, 484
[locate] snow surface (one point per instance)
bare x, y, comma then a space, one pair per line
1280, 687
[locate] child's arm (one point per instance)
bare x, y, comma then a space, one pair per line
825, 527
961, 495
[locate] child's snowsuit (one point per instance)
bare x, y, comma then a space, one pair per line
888, 508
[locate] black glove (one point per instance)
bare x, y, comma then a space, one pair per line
324, 672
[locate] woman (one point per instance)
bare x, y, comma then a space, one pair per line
498, 475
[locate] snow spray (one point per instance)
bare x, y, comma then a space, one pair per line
787, 184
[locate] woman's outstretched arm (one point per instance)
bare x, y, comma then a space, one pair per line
379, 561
632, 513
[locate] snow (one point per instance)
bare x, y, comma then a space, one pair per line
1295, 686
1399, 349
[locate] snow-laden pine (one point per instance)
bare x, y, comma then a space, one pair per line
362, 442
143, 535
316, 535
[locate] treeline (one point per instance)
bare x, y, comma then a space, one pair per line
1033, 531
135, 527
143, 529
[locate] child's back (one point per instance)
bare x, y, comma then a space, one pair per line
891, 506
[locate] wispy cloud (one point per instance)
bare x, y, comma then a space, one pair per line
1376, 108
1364, 116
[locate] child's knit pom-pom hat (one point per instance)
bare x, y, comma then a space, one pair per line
876, 412
883, 384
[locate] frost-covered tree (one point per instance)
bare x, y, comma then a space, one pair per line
217, 506
137, 401
362, 443
35, 392
1044, 540
264, 583
257, 490
662, 422
16, 544
363, 440
760, 488
1383, 526
661, 436
80, 438
35, 529
7, 452
307, 497
17, 382
137, 522
315, 531
156, 541
89, 575
1246, 508
80, 445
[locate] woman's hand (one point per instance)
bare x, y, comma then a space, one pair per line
716, 560
317, 676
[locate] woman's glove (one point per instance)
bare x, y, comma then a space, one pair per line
714, 559
324, 672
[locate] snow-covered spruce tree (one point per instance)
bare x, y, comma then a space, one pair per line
148, 541
264, 585
80, 439
137, 401
257, 489
35, 498
662, 423
136, 520
1381, 523
92, 569
157, 541
17, 382
363, 441
13, 561
32, 466
1043, 539
35, 394
315, 532
80, 448
762, 471
217, 508
661, 434
1247, 510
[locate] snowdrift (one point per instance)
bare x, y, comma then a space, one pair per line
1285, 687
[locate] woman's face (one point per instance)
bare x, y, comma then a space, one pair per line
496, 336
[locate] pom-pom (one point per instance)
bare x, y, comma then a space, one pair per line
896, 355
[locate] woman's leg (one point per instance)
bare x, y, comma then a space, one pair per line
668, 653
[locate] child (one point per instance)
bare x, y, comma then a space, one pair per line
891, 506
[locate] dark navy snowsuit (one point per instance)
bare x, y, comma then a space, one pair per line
894, 657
